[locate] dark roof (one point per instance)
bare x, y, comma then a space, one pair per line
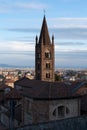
84, 103
22, 82
4, 86
47, 90
13, 94
44, 34
77, 87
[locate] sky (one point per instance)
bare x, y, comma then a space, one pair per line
21, 20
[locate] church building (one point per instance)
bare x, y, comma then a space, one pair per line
43, 98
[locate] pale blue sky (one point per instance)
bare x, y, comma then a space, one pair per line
21, 20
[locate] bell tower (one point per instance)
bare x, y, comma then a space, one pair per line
44, 55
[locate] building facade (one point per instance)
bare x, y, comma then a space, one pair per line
45, 101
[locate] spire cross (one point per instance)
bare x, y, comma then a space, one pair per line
44, 11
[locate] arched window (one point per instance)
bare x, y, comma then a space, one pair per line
47, 54
47, 65
60, 111
47, 75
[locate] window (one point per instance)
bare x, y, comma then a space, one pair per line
60, 112
47, 75
47, 65
47, 54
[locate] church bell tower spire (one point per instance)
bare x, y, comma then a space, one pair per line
44, 54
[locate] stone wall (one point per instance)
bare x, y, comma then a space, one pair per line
77, 123
40, 111
36, 111
73, 106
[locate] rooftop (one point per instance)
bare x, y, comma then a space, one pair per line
48, 90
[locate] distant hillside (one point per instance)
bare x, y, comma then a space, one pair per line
12, 66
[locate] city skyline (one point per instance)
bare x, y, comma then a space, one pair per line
21, 21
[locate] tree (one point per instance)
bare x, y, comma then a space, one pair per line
58, 78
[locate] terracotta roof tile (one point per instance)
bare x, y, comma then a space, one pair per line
47, 90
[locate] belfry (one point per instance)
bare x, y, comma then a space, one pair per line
44, 55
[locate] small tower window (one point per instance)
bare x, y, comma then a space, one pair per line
47, 65
47, 75
47, 54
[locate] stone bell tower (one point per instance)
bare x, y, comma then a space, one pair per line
44, 55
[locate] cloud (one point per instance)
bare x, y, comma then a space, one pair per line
62, 28
70, 33
70, 43
20, 5
16, 46
22, 46
71, 22
72, 59
31, 5
23, 29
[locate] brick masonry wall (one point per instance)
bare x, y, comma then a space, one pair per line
40, 111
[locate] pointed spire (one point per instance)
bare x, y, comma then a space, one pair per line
44, 34
36, 39
52, 39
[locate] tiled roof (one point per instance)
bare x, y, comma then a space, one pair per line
47, 90
3, 86
13, 94
79, 86
23, 81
